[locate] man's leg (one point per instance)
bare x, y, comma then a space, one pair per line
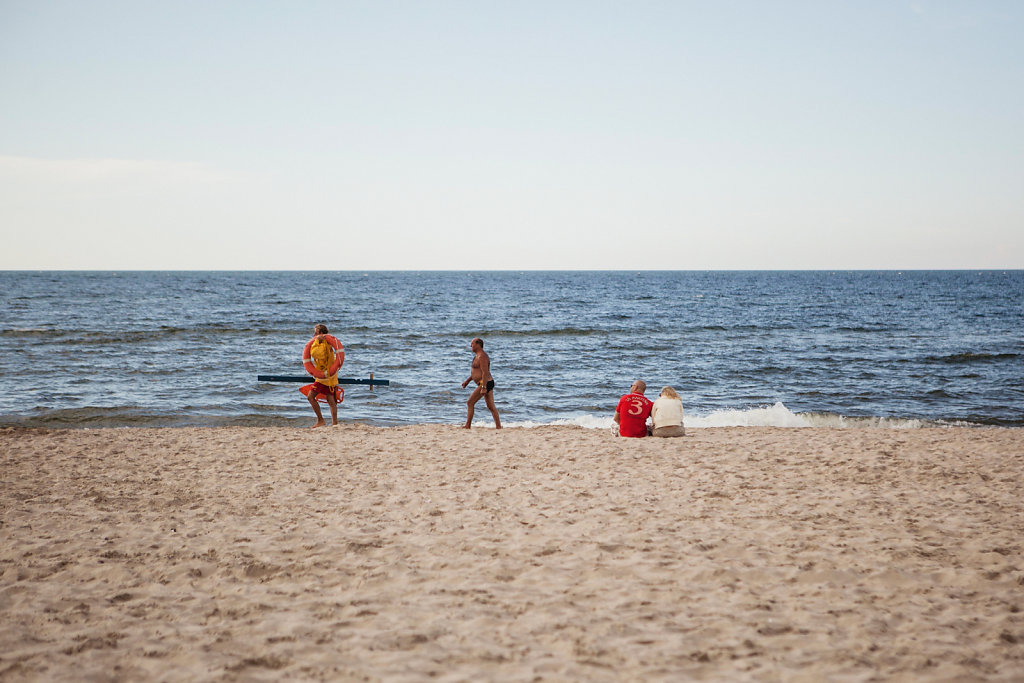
333, 403
316, 409
489, 399
473, 398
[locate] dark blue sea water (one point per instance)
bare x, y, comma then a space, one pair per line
92, 349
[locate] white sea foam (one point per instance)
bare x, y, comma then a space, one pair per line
587, 421
777, 415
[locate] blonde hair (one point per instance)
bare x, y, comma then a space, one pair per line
670, 392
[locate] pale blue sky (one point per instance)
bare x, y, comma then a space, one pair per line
511, 135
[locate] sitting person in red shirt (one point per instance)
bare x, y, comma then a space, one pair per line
633, 410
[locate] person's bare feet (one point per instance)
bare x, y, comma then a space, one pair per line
319, 423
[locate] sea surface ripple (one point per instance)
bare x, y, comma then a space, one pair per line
848, 348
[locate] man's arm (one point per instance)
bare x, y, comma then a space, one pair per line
616, 416
472, 369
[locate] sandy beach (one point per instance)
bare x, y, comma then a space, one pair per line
553, 553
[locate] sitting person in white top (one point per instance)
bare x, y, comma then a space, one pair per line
667, 414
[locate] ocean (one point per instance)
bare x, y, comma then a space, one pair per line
849, 348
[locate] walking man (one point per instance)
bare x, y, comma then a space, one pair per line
480, 373
322, 358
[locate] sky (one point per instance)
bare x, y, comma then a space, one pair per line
479, 135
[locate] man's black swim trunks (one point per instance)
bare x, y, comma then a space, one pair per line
490, 386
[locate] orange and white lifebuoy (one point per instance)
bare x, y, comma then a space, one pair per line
339, 357
339, 393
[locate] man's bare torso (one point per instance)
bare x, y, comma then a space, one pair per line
481, 370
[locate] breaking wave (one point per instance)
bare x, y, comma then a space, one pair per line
777, 415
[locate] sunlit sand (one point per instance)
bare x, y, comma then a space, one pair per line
555, 552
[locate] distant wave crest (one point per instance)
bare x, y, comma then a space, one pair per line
968, 357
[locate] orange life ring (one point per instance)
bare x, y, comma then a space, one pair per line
339, 357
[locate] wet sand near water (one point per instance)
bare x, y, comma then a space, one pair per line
553, 553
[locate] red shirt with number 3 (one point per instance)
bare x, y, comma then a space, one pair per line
634, 409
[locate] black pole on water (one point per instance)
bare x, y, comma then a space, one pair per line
306, 379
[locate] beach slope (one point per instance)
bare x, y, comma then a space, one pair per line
549, 553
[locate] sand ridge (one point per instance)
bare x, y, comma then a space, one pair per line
552, 553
